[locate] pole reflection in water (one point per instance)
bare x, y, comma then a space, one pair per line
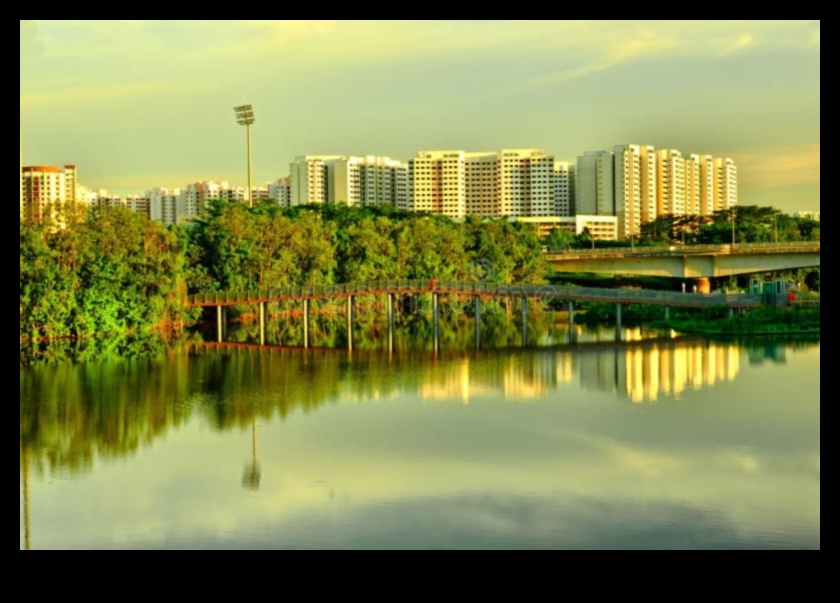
251, 475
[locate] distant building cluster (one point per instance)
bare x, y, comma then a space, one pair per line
611, 192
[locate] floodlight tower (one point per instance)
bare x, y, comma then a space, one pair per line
245, 117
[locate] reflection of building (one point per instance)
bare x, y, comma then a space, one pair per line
644, 372
651, 370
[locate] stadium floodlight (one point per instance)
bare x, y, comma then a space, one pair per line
245, 117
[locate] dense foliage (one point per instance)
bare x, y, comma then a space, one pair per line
114, 273
118, 273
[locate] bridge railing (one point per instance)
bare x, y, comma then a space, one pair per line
786, 247
408, 286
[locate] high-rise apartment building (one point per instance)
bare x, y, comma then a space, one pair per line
637, 184
726, 183
507, 183
48, 193
280, 191
564, 189
619, 182
355, 181
670, 172
166, 205
437, 183
366, 181
310, 179
527, 183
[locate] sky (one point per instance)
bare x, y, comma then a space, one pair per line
141, 104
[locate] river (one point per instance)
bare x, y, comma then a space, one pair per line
645, 443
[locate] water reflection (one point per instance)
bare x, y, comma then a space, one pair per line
72, 412
659, 443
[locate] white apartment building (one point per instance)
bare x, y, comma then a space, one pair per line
586, 191
368, 180
483, 184
166, 205
619, 182
437, 183
601, 228
280, 191
354, 180
564, 188
707, 185
670, 173
726, 183
527, 183
47, 192
637, 184
310, 179
511, 182
807, 215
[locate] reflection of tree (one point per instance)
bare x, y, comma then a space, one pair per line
251, 475
26, 526
70, 413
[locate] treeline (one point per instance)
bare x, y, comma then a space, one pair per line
114, 273
752, 224
117, 272
234, 247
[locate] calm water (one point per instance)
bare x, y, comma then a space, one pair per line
650, 444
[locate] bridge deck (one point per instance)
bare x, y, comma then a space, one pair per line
472, 289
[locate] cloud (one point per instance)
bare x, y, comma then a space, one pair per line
741, 42
104, 93
780, 166
31, 39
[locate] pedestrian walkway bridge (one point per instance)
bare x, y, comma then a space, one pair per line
396, 291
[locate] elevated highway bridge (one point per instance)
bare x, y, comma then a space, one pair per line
689, 261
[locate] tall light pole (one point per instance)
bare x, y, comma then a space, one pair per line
245, 117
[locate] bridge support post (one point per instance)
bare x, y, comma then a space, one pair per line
524, 307
667, 312
731, 312
262, 323
391, 322
350, 320
477, 322
219, 323
436, 320
306, 324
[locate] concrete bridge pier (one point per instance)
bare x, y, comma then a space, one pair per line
306, 324
391, 323
524, 308
350, 321
667, 312
477, 322
262, 323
